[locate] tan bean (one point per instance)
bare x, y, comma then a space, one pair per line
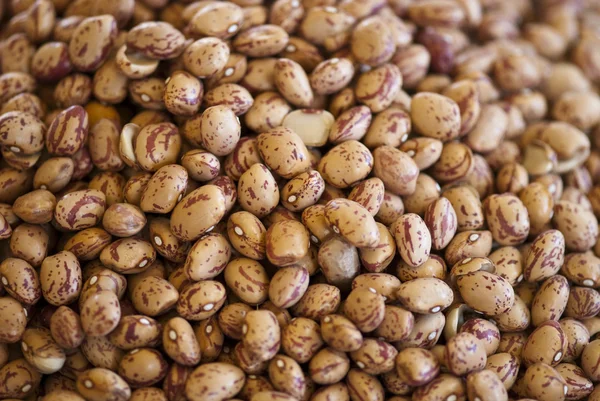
302, 191
201, 300
66, 329
101, 384
164, 190
346, 164
288, 285
157, 145
219, 130
547, 344
535, 378
123, 220
261, 41
207, 257
183, 94
371, 312
416, 366
101, 353
545, 256
153, 296
234, 96
207, 203
396, 169
318, 300
328, 366
425, 295
468, 244
412, 238
485, 291
261, 334
507, 218
286, 375
23, 380
146, 332
301, 339
284, 152
257, 191
41, 351
91, 42
331, 76
20, 280
14, 320
60, 278
22, 132
247, 279
436, 116
143, 367
156, 40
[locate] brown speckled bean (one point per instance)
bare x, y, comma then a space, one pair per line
201, 300
156, 40
412, 238
378, 87
66, 329
164, 189
318, 300
346, 164
103, 384
416, 366
153, 296
20, 280
365, 308
207, 203
91, 42
14, 320
135, 331
21, 132
486, 292
258, 192
60, 278
22, 379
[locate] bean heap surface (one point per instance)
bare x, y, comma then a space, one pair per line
299, 200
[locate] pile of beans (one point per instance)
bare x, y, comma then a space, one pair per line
294, 200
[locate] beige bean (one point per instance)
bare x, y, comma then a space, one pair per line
538, 375
153, 296
91, 42
146, 332
41, 351
66, 329
346, 164
101, 384
486, 292
416, 366
24, 379
412, 238
365, 308
247, 279
284, 152
100, 313
436, 116
378, 87
328, 366
20, 280
396, 169
257, 191
207, 203
545, 256
318, 300
164, 190
425, 295
507, 219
